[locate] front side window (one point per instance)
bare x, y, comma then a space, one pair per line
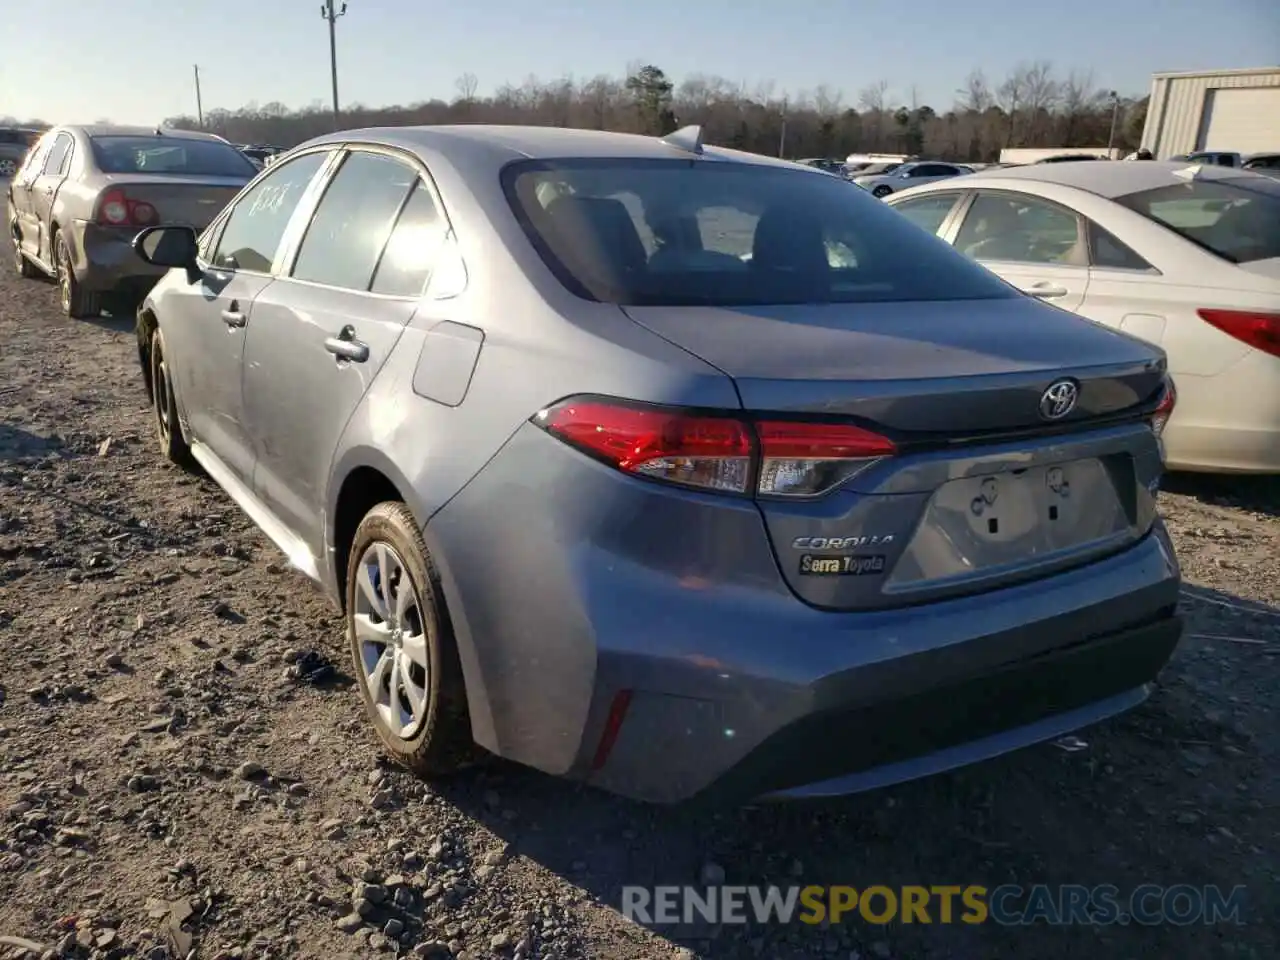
33, 164
928, 213
1235, 218
170, 156
256, 226
1019, 229
353, 220
713, 233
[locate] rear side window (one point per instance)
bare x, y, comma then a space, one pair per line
1020, 229
353, 220
412, 249
59, 157
256, 225
1107, 251
170, 156
714, 233
1237, 219
928, 212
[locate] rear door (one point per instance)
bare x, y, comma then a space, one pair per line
1038, 246
44, 190
320, 335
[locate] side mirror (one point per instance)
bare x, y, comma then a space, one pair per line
167, 246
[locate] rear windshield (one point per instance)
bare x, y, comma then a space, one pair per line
1238, 218
713, 233
170, 155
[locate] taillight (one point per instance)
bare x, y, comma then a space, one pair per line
716, 452
117, 209
805, 459
1259, 330
1164, 409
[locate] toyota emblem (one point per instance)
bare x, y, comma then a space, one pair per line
1059, 399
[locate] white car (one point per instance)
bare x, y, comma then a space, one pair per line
903, 176
1187, 257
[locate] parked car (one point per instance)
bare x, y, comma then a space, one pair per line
14, 144
825, 164
1267, 164
1070, 158
83, 192
260, 155
600, 496
903, 176
1188, 258
1217, 158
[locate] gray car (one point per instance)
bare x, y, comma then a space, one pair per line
600, 493
84, 192
14, 144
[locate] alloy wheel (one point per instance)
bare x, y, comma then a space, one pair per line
160, 391
63, 268
8, 168
391, 637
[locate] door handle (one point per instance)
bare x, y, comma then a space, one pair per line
345, 346
232, 316
1047, 291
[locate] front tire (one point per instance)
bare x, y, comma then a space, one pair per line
164, 407
26, 269
882, 191
76, 302
402, 646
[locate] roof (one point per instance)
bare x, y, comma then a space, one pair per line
465, 142
1191, 74
121, 130
1107, 178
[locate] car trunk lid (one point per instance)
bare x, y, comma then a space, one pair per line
986, 485
178, 200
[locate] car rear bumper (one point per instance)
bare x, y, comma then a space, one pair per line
574, 590
105, 261
1230, 422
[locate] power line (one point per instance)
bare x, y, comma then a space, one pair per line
331, 15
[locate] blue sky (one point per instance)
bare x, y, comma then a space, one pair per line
131, 60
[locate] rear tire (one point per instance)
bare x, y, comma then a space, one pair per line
164, 408
406, 663
76, 302
881, 191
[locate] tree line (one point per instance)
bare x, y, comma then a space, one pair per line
1033, 106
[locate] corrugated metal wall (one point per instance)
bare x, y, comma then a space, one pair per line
1177, 106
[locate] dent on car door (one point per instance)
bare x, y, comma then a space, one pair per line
1038, 246
320, 336
204, 323
21, 191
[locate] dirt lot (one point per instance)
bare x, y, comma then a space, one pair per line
184, 767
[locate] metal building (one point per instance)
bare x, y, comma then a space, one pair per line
1228, 110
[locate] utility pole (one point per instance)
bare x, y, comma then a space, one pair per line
199, 102
782, 137
330, 14
1115, 115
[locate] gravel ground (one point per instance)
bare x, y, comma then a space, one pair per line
184, 766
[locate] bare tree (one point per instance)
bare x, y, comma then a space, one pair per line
466, 86
1041, 94
1010, 97
975, 95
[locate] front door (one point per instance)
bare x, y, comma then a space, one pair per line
21, 190
1037, 246
206, 322
320, 335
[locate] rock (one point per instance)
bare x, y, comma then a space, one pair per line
363, 908
500, 941
371, 892
403, 898
382, 800
433, 950
881, 949
350, 923
1188, 818
114, 661
250, 771
393, 928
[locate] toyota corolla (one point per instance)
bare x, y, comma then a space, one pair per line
682, 471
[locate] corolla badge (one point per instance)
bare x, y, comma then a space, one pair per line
1059, 399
